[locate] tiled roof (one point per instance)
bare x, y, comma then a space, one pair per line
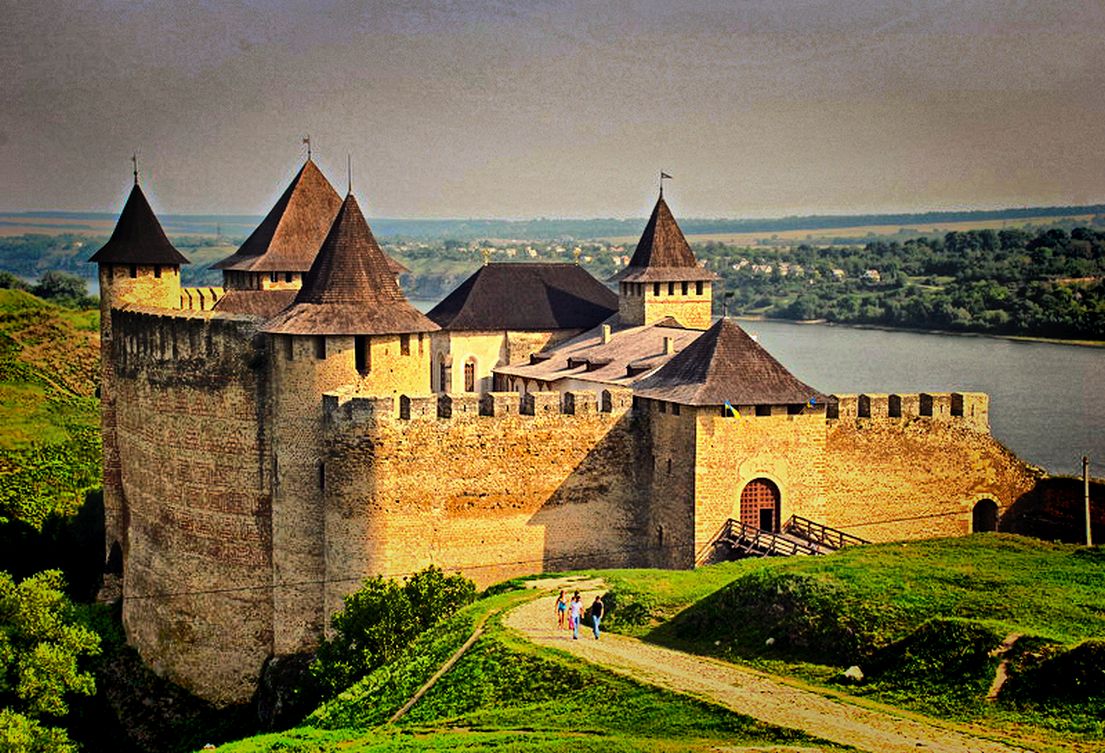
291, 233
725, 364
138, 237
663, 254
263, 303
630, 353
350, 288
526, 297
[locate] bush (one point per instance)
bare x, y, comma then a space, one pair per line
381, 619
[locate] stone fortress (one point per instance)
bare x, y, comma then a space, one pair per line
270, 443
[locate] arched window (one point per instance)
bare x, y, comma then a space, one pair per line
442, 374
470, 375
984, 517
760, 504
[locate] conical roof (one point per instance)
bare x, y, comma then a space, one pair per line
350, 288
725, 364
138, 237
291, 233
526, 296
663, 254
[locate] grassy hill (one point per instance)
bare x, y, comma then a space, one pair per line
49, 441
922, 620
506, 694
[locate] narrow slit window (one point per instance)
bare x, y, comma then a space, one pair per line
404, 345
289, 347
656, 289
133, 271
470, 377
320, 347
698, 288
671, 288
322, 476
287, 277
361, 356
684, 288
157, 271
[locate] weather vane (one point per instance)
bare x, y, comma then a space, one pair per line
134, 159
663, 176
307, 141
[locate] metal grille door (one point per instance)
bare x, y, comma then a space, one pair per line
760, 495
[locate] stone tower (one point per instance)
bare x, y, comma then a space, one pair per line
350, 327
663, 278
137, 266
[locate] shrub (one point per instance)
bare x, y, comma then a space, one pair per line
383, 618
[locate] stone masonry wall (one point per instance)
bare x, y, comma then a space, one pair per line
191, 396
493, 493
302, 371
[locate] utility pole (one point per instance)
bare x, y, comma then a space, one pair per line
1086, 492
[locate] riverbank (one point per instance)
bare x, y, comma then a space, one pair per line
918, 330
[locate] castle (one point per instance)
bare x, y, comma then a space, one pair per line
270, 443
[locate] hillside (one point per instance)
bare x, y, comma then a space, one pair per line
923, 620
50, 442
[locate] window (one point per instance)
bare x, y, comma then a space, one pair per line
443, 375
671, 288
157, 271
404, 344
289, 347
320, 346
470, 376
287, 277
698, 288
419, 343
669, 466
322, 476
684, 288
273, 276
763, 410
656, 289
663, 406
361, 354
675, 409
133, 271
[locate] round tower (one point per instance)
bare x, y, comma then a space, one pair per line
350, 327
137, 266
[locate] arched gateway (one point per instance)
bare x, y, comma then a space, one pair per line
760, 504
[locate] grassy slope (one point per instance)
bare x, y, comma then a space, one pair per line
921, 617
49, 440
506, 694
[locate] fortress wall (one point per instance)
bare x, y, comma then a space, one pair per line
197, 505
788, 450
668, 459
916, 475
491, 496
118, 288
300, 376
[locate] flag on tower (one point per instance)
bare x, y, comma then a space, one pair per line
665, 175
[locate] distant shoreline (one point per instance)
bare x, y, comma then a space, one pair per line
884, 328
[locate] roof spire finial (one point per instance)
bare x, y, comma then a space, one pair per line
349, 172
663, 176
486, 251
307, 141
134, 159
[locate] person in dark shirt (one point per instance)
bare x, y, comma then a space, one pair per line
597, 611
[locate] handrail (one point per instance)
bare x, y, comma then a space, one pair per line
750, 540
821, 534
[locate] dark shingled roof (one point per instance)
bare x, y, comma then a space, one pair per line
263, 303
138, 237
663, 254
291, 233
526, 297
350, 288
289, 236
724, 363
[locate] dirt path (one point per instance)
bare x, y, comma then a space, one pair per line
745, 691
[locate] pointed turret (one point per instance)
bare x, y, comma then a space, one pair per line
350, 288
726, 365
663, 278
138, 237
291, 233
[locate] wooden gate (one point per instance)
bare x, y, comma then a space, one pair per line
760, 505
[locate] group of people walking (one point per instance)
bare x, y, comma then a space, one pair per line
570, 612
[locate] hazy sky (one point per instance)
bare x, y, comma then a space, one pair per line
517, 109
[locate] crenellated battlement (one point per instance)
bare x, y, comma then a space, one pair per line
971, 408
205, 342
200, 299
345, 407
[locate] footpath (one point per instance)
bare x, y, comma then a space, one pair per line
743, 690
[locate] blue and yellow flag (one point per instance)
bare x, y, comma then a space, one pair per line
731, 411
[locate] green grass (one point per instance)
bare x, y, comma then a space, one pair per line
50, 436
920, 618
507, 694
